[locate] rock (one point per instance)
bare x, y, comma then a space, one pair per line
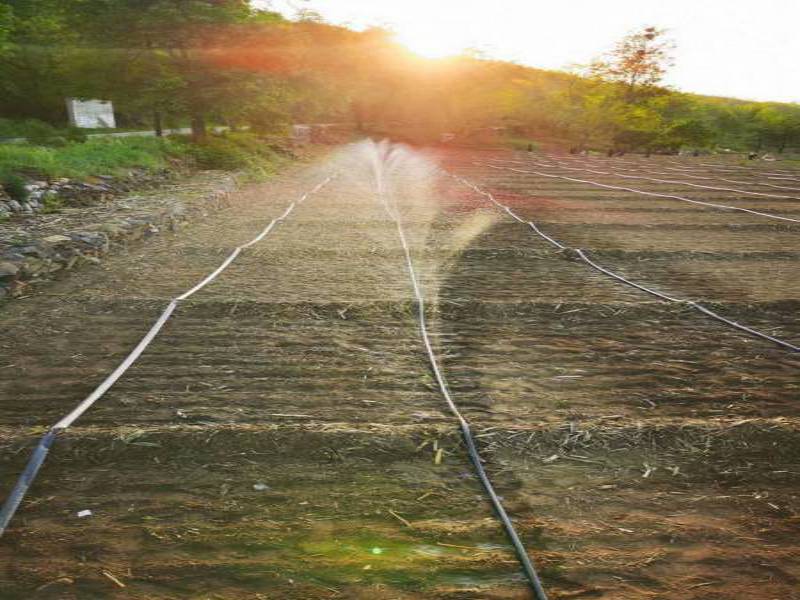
56, 239
8, 269
113, 229
32, 266
95, 240
31, 251
26, 258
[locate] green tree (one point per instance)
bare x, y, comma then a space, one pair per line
625, 100
778, 127
34, 57
199, 58
6, 28
638, 62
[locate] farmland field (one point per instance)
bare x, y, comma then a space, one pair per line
284, 436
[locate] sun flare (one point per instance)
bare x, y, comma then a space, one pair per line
432, 44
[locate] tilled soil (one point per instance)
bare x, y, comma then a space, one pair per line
283, 437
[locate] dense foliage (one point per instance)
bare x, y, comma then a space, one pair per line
179, 62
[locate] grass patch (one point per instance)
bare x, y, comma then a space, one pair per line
242, 152
95, 157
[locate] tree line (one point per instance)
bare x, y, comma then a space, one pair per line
196, 62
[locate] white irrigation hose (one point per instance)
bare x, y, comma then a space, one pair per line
792, 175
101, 389
656, 180
644, 193
780, 173
14, 499
582, 255
638, 167
522, 554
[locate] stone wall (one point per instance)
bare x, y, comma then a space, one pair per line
45, 245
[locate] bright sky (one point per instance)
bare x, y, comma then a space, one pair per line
742, 48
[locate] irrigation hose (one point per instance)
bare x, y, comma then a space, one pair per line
560, 165
522, 555
582, 255
638, 167
644, 193
39, 454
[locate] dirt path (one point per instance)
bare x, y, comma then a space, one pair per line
282, 437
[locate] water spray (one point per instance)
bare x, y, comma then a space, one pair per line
386, 157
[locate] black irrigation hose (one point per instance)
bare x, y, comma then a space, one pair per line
694, 305
582, 255
522, 554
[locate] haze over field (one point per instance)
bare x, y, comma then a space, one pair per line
736, 48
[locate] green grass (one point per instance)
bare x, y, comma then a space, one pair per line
13, 128
52, 203
241, 152
95, 157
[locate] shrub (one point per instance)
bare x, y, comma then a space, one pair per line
221, 153
43, 134
40, 133
14, 185
51, 203
76, 134
12, 128
270, 122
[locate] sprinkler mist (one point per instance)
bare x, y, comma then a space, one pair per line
410, 186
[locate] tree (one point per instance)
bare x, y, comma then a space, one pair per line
638, 62
200, 58
683, 122
6, 27
34, 56
778, 126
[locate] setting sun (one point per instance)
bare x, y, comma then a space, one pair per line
432, 43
